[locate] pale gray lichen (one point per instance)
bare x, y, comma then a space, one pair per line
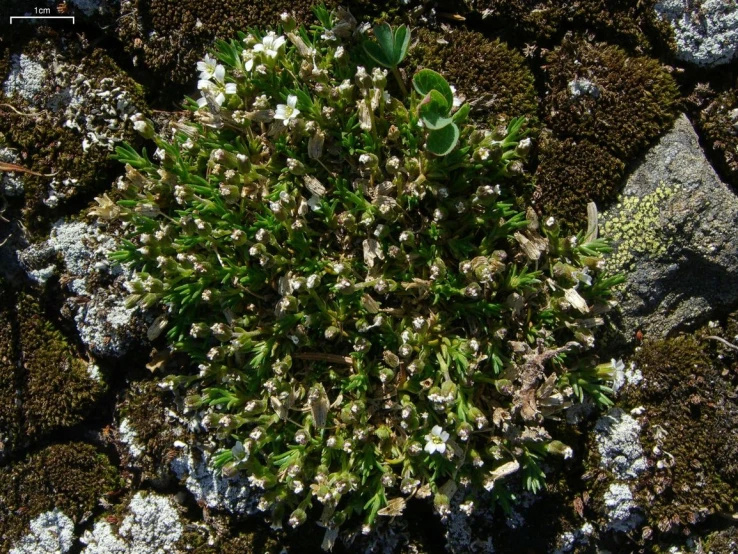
129, 437
706, 30
622, 512
618, 442
51, 533
153, 526
26, 79
210, 487
10, 183
104, 323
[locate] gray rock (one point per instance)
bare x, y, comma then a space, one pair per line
706, 30
674, 231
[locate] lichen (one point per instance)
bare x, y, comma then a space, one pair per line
634, 226
486, 71
70, 477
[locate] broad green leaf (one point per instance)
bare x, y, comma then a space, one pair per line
434, 110
461, 114
402, 41
375, 52
427, 80
385, 38
441, 141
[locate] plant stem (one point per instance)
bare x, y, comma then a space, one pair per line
398, 77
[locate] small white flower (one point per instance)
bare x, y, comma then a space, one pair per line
270, 44
436, 440
207, 67
230, 88
288, 111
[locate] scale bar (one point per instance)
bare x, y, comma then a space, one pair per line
41, 17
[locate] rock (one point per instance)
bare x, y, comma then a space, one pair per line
673, 229
706, 30
51, 533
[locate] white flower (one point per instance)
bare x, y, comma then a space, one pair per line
287, 111
230, 88
436, 440
208, 67
270, 44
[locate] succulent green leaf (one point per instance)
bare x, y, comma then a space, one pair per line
427, 80
433, 111
441, 141
461, 114
402, 41
375, 52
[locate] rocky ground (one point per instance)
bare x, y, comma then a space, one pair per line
631, 104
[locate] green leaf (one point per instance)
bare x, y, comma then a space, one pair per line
433, 110
427, 80
402, 41
384, 36
375, 52
461, 114
441, 141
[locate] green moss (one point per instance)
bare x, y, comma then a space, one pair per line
57, 391
631, 22
571, 174
717, 121
144, 408
251, 542
71, 477
694, 422
49, 147
634, 227
10, 410
170, 36
721, 541
631, 100
483, 70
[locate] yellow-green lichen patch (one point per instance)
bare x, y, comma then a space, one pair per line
691, 436
571, 174
602, 94
72, 477
57, 390
635, 226
487, 72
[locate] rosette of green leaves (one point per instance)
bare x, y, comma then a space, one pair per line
435, 111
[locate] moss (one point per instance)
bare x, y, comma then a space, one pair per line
71, 477
693, 420
571, 174
170, 36
57, 391
482, 69
634, 227
600, 93
145, 409
50, 147
631, 22
251, 542
721, 541
717, 121
10, 409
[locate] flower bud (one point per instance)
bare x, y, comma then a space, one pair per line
143, 126
288, 22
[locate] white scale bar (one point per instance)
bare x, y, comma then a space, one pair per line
41, 17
